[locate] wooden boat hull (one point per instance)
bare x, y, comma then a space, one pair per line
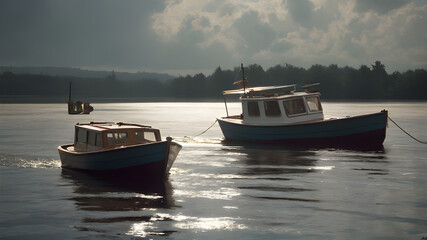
152, 160
364, 131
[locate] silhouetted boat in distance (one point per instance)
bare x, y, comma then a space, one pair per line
278, 114
119, 150
78, 107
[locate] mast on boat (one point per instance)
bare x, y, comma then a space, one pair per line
243, 78
244, 83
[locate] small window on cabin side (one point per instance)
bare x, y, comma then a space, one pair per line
272, 109
253, 109
82, 135
294, 106
314, 104
150, 136
143, 137
91, 138
117, 138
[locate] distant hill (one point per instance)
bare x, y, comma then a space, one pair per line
82, 73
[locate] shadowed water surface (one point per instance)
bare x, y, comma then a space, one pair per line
216, 190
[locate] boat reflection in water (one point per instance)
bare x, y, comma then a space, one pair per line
107, 203
287, 173
274, 162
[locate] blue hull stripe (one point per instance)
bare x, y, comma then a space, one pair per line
319, 130
116, 158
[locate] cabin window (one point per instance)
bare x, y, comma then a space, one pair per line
117, 138
150, 136
98, 140
272, 109
139, 137
81, 135
314, 104
143, 137
294, 106
91, 138
253, 109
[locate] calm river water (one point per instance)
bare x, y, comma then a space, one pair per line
215, 191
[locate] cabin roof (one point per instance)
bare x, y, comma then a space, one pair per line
104, 126
288, 88
278, 96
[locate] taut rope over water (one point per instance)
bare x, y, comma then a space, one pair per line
207, 129
406, 131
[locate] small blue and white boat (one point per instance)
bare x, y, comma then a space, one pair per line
119, 150
278, 114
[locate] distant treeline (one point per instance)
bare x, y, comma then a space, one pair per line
365, 83
82, 73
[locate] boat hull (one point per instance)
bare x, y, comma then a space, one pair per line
151, 161
358, 131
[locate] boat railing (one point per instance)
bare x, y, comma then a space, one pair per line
235, 117
133, 124
264, 95
93, 123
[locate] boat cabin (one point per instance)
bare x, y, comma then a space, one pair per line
78, 107
96, 136
261, 106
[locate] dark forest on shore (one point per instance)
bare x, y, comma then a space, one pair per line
336, 83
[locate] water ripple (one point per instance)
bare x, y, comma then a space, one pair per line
28, 161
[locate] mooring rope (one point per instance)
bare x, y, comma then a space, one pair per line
406, 131
207, 129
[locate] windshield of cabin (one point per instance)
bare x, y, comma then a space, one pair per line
314, 104
294, 106
117, 138
94, 139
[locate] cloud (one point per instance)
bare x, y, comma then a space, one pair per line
394, 38
379, 6
254, 34
300, 32
192, 36
307, 15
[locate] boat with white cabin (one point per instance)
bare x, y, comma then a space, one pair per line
279, 114
119, 150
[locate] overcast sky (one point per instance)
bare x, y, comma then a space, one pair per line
192, 36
